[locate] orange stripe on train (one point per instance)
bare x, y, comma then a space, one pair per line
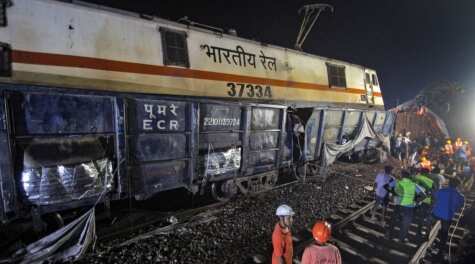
39, 58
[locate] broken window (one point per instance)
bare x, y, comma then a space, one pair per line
62, 170
175, 51
336, 75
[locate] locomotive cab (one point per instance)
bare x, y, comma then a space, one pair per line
371, 84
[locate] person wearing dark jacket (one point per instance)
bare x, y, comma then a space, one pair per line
447, 201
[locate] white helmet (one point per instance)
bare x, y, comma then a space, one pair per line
284, 210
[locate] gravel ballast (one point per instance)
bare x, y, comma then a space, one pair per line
243, 227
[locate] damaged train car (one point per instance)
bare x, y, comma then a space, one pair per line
97, 102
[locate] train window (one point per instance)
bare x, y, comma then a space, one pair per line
375, 79
175, 50
336, 75
368, 79
5, 60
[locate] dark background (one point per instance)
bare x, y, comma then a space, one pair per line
412, 44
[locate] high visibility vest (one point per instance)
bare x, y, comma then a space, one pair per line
426, 165
427, 183
406, 190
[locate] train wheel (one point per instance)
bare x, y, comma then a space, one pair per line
223, 191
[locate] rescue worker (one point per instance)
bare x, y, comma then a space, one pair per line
321, 251
406, 189
423, 209
425, 164
458, 144
383, 182
448, 152
448, 148
447, 201
282, 236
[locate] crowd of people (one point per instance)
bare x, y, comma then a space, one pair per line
427, 186
431, 152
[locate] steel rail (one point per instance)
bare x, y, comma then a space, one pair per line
341, 223
183, 216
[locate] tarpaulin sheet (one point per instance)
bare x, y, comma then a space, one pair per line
69, 243
331, 151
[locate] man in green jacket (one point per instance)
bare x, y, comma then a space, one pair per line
406, 189
424, 208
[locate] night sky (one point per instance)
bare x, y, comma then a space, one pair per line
410, 43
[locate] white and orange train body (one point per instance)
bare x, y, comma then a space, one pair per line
139, 105
68, 45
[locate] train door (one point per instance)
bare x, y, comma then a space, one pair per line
368, 83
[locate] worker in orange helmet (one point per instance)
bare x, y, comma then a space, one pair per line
425, 164
321, 251
458, 144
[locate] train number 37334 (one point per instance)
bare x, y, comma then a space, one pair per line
248, 90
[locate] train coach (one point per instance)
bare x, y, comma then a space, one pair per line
96, 100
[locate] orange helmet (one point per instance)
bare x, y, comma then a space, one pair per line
322, 231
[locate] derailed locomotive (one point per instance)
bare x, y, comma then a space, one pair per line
95, 99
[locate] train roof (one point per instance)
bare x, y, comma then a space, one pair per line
147, 17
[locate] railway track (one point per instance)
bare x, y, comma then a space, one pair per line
151, 223
362, 239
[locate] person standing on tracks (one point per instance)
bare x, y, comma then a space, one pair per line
423, 209
321, 251
282, 236
447, 201
437, 178
406, 189
383, 182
